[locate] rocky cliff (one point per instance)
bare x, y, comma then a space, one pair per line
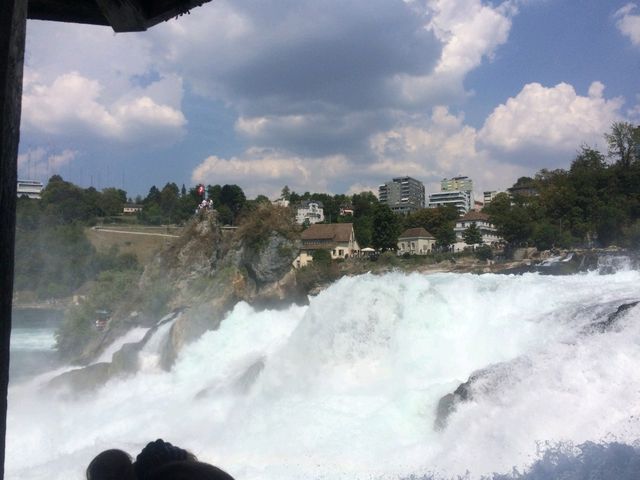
200, 277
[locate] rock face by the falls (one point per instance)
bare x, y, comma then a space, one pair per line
613, 318
486, 381
490, 381
202, 275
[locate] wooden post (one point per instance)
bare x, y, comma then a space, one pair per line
13, 20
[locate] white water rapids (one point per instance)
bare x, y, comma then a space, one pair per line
351, 383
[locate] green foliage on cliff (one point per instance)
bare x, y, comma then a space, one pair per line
257, 224
109, 290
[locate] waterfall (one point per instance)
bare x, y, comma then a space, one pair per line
348, 386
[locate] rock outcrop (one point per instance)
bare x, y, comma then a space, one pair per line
608, 323
203, 274
486, 381
568, 264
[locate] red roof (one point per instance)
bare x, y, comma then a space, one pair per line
416, 233
336, 232
474, 216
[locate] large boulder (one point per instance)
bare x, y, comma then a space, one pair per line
612, 319
81, 380
486, 381
271, 260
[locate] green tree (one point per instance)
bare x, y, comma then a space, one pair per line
545, 236
63, 202
321, 257
233, 198
386, 228
472, 235
513, 222
153, 196
112, 201
214, 193
623, 143
432, 219
483, 253
445, 237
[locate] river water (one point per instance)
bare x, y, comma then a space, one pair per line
350, 385
33, 342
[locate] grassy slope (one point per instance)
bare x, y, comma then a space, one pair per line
142, 246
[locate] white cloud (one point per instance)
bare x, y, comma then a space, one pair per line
629, 23
437, 147
72, 104
54, 49
553, 118
266, 171
470, 32
360, 188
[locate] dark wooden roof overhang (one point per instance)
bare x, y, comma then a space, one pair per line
121, 15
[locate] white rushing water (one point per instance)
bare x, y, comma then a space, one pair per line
30, 339
350, 383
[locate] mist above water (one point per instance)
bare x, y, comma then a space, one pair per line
348, 386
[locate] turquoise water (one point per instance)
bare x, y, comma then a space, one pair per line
33, 343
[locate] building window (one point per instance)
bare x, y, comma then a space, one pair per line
340, 252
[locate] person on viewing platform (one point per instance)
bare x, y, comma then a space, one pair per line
159, 460
188, 470
111, 465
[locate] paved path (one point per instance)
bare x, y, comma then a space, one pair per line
100, 229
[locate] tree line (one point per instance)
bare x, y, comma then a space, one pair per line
596, 202
53, 255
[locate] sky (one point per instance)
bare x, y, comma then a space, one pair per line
329, 96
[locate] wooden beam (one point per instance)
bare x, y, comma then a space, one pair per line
124, 15
74, 11
13, 21
121, 15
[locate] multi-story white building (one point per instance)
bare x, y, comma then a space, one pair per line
30, 188
402, 195
489, 196
458, 198
481, 221
311, 211
456, 183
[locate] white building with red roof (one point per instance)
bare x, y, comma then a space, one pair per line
481, 221
338, 239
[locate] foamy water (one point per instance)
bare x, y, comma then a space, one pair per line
350, 383
33, 339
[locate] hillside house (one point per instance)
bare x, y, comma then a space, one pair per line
131, 208
481, 221
311, 211
30, 188
337, 238
346, 210
416, 241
